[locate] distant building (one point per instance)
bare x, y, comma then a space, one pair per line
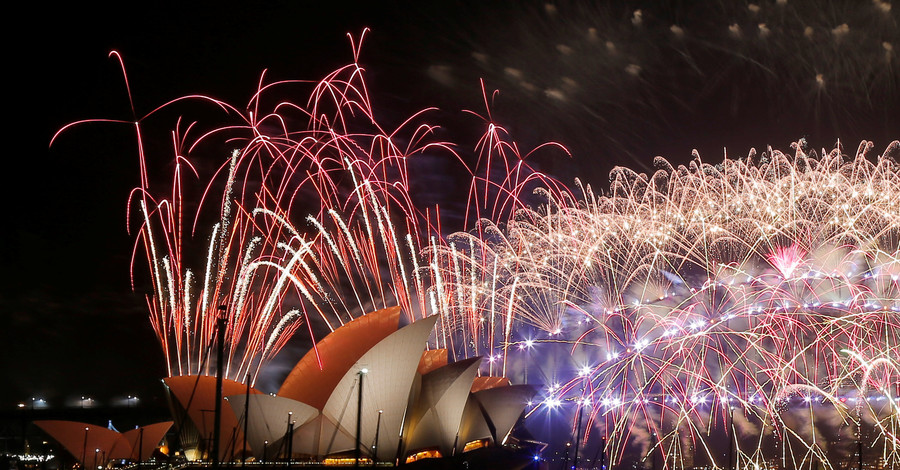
96, 445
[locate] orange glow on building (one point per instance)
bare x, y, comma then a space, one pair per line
476, 444
346, 461
424, 454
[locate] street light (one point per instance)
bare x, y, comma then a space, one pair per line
290, 437
44, 452
140, 447
221, 324
602, 452
362, 373
580, 413
375, 445
731, 438
527, 346
84, 448
246, 421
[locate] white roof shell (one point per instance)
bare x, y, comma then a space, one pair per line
492, 413
438, 411
391, 368
268, 421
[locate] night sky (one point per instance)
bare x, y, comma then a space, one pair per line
72, 326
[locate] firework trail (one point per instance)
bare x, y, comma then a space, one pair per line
266, 273
310, 219
699, 289
698, 298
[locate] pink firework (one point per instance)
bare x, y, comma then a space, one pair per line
659, 289
310, 218
786, 259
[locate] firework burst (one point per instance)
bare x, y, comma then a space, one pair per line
700, 297
311, 218
699, 289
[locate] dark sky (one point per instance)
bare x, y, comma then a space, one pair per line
616, 87
71, 324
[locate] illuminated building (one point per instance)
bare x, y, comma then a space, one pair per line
440, 408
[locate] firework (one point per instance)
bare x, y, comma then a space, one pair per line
635, 69
697, 298
696, 290
263, 273
311, 218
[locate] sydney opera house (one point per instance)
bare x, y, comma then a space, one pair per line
370, 391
